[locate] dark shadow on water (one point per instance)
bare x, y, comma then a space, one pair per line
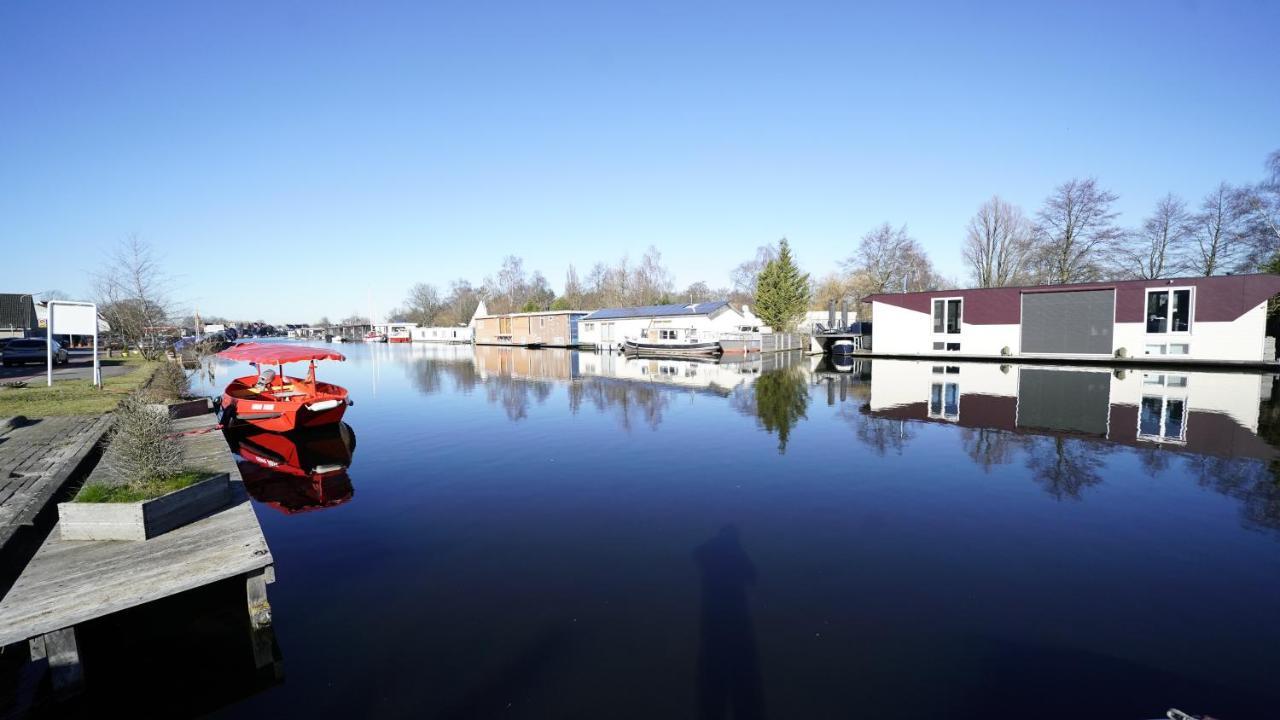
728, 664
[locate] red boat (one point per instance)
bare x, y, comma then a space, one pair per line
273, 401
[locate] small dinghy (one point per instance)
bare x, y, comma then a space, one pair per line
276, 402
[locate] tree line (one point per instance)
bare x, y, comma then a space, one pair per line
1072, 237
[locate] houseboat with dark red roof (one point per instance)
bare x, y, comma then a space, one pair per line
1196, 320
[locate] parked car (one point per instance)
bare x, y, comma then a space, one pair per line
32, 350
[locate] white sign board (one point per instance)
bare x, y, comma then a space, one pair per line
75, 320
72, 318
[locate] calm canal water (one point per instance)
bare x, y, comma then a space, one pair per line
554, 534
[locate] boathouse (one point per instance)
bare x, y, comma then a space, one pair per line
609, 328
1203, 319
550, 328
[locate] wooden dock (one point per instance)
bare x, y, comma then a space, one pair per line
72, 582
37, 459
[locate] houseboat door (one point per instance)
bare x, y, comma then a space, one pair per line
606, 333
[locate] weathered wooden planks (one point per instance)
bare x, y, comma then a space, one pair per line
36, 460
70, 582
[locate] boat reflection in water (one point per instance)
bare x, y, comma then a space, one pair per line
297, 472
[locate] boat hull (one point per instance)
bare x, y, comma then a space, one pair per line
326, 406
685, 350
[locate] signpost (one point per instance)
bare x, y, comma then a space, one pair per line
72, 318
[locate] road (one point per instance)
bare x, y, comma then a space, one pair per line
79, 365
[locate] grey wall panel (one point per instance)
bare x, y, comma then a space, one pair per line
1068, 322
1071, 401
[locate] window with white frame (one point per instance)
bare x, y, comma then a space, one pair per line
1168, 310
946, 316
944, 401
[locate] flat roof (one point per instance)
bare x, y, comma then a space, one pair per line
531, 314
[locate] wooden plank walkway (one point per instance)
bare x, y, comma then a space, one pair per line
37, 458
70, 582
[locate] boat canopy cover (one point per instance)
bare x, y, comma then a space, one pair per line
277, 353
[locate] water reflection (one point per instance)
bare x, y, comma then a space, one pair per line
296, 472
1065, 424
728, 665
635, 391
779, 400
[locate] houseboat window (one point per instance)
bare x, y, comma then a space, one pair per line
944, 401
939, 346
1155, 350
644, 332
946, 316
953, 347
1169, 311
953, 316
504, 326
1179, 349
1162, 419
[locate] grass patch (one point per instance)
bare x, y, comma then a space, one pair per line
137, 492
75, 397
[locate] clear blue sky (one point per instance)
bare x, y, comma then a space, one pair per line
292, 158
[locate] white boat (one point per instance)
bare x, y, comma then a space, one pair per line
373, 336
655, 340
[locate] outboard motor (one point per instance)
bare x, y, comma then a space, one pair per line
264, 379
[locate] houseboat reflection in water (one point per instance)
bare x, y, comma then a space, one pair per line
1064, 422
297, 472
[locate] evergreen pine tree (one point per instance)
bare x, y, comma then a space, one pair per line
782, 291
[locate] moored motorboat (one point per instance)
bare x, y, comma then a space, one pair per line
399, 335
842, 347
276, 402
671, 341
373, 336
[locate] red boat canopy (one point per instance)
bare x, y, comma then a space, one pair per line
277, 353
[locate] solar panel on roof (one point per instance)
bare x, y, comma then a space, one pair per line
656, 311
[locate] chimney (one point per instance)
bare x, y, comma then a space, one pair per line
844, 314
831, 313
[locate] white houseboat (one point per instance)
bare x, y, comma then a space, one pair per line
1205, 319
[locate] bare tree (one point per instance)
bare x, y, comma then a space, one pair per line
1217, 237
132, 291
422, 305
1073, 232
1158, 248
890, 260
998, 245
1260, 207
699, 292
743, 277
653, 283
460, 304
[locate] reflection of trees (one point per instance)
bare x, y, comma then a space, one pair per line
1251, 482
879, 434
778, 399
1065, 466
631, 402
515, 394
428, 374
988, 447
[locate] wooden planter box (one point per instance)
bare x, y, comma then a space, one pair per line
146, 519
